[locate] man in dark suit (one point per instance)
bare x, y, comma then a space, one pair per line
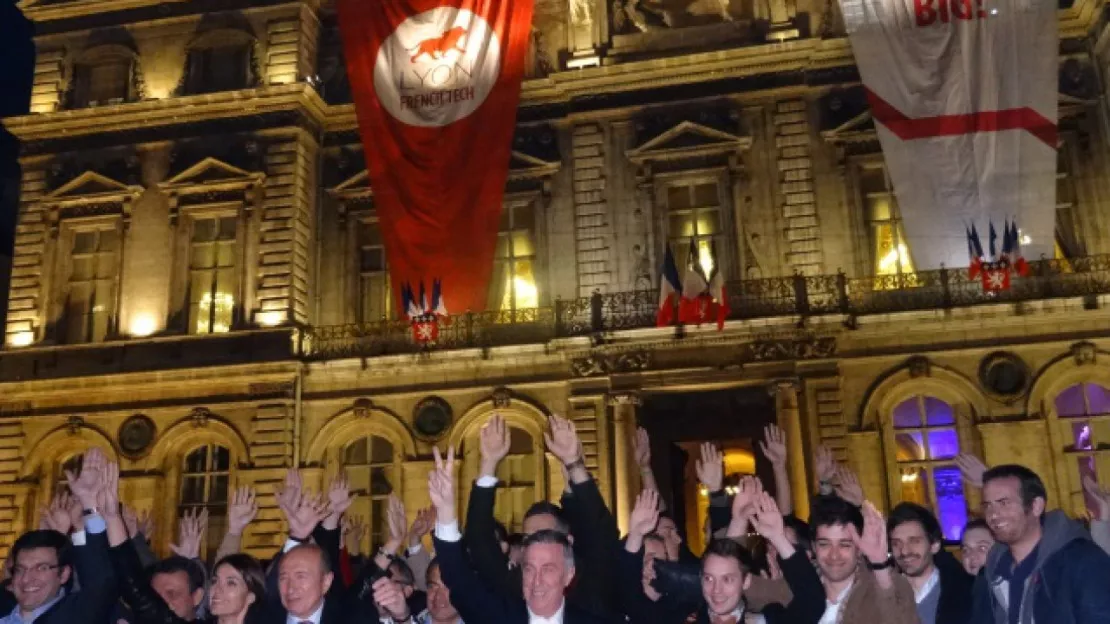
45, 561
548, 567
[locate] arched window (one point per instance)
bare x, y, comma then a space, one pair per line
104, 76
926, 442
72, 464
520, 475
205, 479
371, 468
1083, 411
220, 60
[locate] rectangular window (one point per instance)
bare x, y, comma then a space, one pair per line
102, 83
371, 470
514, 283
374, 296
694, 213
205, 480
889, 251
213, 275
517, 473
90, 290
221, 68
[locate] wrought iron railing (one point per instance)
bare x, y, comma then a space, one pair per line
796, 295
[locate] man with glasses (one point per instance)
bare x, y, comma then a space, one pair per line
46, 560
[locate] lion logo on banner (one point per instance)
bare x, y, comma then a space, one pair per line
438, 47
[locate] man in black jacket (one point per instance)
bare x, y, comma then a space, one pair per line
547, 570
45, 560
593, 530
941, 588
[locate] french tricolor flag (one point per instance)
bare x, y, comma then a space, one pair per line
670, 289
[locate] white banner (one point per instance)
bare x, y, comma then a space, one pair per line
964, 97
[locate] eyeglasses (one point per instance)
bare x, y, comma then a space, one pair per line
38, 570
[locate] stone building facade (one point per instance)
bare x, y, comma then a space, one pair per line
199, 286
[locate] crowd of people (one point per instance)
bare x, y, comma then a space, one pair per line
91, 560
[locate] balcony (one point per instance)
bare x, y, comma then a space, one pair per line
792, 296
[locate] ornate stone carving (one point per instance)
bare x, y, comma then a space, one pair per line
801, 348
788, 387
502, 397
625, 398
1084, 353
362, 407
918, 366
200, 416
74, 424
608, 363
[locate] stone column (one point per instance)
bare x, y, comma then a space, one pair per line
624, 406
790, 420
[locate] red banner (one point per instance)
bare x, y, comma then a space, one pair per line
436, 85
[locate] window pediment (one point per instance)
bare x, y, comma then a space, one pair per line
88, 195
688, 141
212, 181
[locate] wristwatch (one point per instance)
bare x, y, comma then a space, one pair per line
881, 566
90, 512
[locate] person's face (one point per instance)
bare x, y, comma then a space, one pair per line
228, 594
1004, 513
722, 584
671, 538
439, 598
173, 587
396, 576
975, 545
912, 549
546, 576
36, 577
539, 522
837, 555
302, 582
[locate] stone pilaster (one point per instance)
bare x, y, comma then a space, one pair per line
790, 421
803, 233
26, 290
624, 427
591, 214
46, 96
291, 47
285, 253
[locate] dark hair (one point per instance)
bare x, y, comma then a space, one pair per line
500, 532
1032, 487
175, 564
515, 539
325, 561
432, 565
61, 544
730, 549
801, 529
831, 510
403, 572
253, 577
552, 536
977, 523
912, 512
543, 508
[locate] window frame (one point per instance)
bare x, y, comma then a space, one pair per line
199, 60
867, 226
216, 531
360, 220
81, 81
1062, 437
471, 464
533, 202
63, 267
729, 258
239, 269
393, 469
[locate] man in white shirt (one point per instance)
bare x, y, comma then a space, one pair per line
942, 589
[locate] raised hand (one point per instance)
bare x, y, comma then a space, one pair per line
824, 465
107, 498
421, 525
76, 514
340, 500
562, 440
289, 495
747, 495
397, 523
390, 599
241, 510
767, 518
309, 511
774, 445
494, 442
972, 468
873, 541
641, 448
55, 517
354, 529
848, 486
441, 486
711, 467
1100, 496
191, 531
86, 485
645, 515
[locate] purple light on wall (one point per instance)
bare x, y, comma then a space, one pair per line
951, 505
943, 444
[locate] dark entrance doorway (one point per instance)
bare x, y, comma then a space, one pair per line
677, 423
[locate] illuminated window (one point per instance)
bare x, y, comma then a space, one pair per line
694, 213
514, 264
91, 289
221, 66
102, 81
72, 464
205, 477
372, 470
374, 295
890, 252
1083, 411
212, 275
926, 444
517, 473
